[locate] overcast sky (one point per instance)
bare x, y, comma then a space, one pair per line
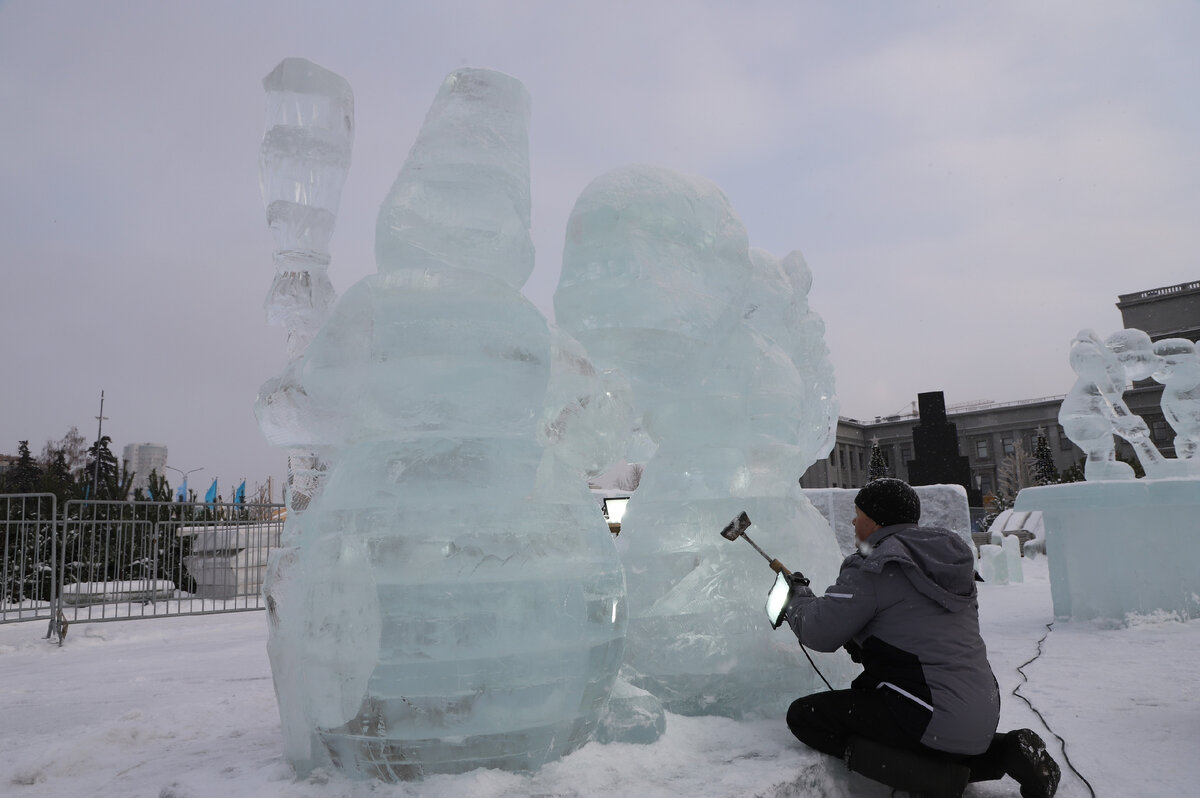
970, 183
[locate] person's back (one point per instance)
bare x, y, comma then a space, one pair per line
924, 637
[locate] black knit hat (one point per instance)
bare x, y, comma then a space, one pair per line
889, 501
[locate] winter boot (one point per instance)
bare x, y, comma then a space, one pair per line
907, 770
1027, 760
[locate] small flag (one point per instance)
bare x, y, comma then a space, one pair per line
211, 496
239, 495
182, 491
150, 492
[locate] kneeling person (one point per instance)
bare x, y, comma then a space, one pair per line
922, 715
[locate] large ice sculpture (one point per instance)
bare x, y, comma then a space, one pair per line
303, 163
732, 385
453, 600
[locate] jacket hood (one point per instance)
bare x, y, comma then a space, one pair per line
937, 561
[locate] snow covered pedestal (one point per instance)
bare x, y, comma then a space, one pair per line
1121, 547
230, 561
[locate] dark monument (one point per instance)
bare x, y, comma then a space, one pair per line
936, 460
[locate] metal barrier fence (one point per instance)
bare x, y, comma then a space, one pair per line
27, 584
104, 560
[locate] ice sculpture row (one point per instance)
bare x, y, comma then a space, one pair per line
449, 596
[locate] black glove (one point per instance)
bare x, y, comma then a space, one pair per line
797, 580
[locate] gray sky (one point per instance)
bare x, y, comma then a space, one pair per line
970, 183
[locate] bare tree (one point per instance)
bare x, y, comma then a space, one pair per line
631, 478
74, 448
1016, 472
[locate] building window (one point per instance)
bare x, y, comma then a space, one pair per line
905, 453
981, 448
1160, 431
1064, 442
1006, 445
985, 484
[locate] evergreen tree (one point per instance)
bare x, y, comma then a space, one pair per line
57, 478
157, 489
104, 473
1073, 473
878, 469
1044, 472
23, 476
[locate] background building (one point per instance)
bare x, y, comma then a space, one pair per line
142, 458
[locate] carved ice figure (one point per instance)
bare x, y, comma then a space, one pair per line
303, 162
658, 282
453, 601
1179, 372
1090, 413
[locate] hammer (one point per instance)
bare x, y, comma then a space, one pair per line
737, 529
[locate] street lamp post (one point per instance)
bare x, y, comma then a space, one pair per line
185, 476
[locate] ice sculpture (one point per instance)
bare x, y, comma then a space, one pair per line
454, 600
303, 162
1179, 372
658, 281
1094, 410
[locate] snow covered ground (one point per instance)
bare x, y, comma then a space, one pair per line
183, 708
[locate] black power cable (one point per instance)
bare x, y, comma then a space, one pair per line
1016, 692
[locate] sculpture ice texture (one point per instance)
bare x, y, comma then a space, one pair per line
453, 600
732, 389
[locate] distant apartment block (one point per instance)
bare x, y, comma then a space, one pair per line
142, 458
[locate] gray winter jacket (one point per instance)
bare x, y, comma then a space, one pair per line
905, 606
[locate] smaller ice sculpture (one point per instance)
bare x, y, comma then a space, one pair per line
1095, 408
1179, 372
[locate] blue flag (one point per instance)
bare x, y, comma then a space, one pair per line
211, 496
150, 493
239, 495
182, 497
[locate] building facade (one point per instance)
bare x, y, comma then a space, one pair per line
988, 432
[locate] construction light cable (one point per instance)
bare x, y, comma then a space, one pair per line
1016, 692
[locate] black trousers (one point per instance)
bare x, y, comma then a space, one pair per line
828, 721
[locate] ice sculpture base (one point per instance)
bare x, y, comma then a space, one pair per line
1120, 548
